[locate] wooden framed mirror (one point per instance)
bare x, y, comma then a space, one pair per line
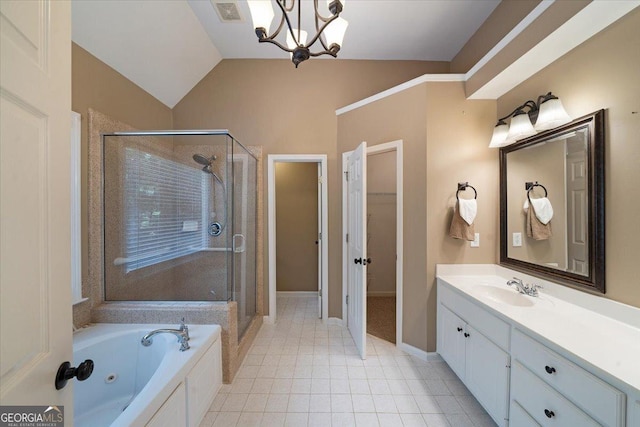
567, 164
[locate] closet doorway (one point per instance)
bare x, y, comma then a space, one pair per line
298, 246
381, 244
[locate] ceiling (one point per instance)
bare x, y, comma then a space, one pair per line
167, 47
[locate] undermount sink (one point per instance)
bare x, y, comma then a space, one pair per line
504, 296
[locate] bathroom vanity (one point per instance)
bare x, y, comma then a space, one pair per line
563, 358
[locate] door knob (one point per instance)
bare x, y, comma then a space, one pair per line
358, 261
66, 372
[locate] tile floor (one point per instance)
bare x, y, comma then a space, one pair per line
300, 372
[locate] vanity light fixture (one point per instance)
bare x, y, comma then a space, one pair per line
545, 113
329, 30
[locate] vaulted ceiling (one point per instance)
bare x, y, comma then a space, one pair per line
166, 47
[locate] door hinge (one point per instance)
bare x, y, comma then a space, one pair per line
347, 237
320, 236
320, 293
320, 180
346, 175
347, 299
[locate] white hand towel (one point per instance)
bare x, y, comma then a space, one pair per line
542, 208
468, 209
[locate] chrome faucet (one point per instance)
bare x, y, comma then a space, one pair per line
182, 333
523, 288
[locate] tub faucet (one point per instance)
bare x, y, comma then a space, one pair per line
182, 333
523, 288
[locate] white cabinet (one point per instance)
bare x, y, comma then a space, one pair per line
588, 395
481, 365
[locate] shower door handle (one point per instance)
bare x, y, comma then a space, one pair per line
238, 249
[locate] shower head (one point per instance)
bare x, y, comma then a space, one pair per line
205, 161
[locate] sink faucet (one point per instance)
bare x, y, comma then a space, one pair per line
182, 333
523, 288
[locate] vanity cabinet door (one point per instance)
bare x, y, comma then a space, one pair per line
452, 341
487, 374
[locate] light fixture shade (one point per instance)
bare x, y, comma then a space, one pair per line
552, 114
261, 13
291, 43
499, 138
520, 128
334, 32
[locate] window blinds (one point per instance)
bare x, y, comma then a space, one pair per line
165, 203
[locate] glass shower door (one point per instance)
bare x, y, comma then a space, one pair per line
244, 169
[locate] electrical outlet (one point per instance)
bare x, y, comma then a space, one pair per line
517, 240
476, 241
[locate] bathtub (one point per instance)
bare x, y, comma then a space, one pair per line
132, 385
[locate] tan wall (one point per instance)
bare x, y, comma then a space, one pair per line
401, 116
381, 223
457, 151
296, 226
603, 73
502, 20
445, 142
292, 111
96, 85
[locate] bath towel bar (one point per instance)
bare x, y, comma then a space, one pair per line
463, 186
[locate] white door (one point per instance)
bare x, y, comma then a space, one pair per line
35, 198
357, 247
577, 213
320, 240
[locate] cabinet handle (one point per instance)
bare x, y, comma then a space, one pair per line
549, 369
466, 335
459, 329
549, 413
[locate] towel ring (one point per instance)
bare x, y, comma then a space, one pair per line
529, 186
462, 186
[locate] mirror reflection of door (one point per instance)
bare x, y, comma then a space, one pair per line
577, 213
297, 219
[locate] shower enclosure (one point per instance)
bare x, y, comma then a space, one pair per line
180, 218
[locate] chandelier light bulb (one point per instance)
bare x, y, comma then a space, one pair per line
335, 31
261, 14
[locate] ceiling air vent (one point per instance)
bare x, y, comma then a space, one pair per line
227, 10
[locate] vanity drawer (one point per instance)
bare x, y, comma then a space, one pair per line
599, 399
542, 403
481, 320
518, 417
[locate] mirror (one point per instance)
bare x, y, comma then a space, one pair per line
560, 173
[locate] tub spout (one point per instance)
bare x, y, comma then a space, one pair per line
182, 334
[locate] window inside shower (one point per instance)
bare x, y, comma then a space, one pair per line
180, 219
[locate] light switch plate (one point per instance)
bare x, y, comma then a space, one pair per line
517, 240
476, 241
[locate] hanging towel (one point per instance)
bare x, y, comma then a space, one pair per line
536, 229
542, 208
468, 209
460, 229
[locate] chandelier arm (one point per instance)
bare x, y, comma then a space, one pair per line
286, 49
285, 16
526, 104
324, 52
284, 4
318, 31
317, 36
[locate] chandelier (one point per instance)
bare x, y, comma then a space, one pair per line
329, 30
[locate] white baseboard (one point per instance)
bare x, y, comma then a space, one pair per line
434, 357
381, 294
335, 321
414, 351
297, 293
268, 320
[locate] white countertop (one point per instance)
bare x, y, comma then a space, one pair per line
568, 318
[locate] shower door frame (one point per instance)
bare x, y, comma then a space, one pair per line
323, 211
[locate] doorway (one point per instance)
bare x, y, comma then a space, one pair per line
381, 243
283, 227
355, 318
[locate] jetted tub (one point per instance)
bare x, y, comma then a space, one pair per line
132, 383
